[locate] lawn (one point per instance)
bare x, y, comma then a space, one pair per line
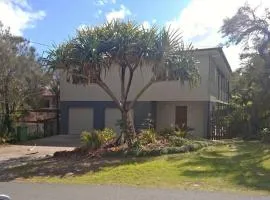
235, 166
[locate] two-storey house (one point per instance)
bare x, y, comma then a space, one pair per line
168, 103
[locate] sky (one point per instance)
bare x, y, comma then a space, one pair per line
49, 22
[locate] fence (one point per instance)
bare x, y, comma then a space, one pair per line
218, 126
33, 124
28, 131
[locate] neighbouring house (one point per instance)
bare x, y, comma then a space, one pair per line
48, 98
40, 122
168, 103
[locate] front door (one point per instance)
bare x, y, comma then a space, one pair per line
181, 116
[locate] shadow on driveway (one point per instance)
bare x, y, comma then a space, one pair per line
56, 141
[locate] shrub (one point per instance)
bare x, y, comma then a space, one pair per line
265, 134
8, 138
91, 139
96, 138
3, 139
147, 136
172, 150
137, 145
148, 123
166, 132
178, 132
106, 135
181, 133
146, 152
165, 150
176, 141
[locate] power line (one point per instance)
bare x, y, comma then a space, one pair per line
40, 43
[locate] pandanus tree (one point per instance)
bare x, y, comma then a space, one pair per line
90, 56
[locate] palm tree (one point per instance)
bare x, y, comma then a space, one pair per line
94, 51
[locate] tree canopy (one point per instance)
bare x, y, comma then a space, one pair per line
21, 77
250, 84
248, 28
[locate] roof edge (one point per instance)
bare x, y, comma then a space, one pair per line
220, 50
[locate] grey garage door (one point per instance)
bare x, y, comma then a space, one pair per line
80, 119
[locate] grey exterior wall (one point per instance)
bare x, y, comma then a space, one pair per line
161, 91
197, 115
162, 113
141, 112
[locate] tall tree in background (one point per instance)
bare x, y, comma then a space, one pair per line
21, 77
93, 52
251, 30
249, 98
251, 83
54, 86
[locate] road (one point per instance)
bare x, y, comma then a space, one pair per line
29, 191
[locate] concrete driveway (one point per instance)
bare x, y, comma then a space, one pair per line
8, 152
16, 155
12, 156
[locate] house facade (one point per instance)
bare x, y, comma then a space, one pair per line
167, 103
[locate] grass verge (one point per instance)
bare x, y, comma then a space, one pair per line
235, 166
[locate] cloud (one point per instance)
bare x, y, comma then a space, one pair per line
19, 15
146, 25
118, 14
104, 2
201, 20
101, 2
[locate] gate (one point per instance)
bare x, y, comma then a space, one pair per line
218, 126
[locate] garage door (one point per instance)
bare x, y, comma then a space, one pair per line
112, 115
80, 119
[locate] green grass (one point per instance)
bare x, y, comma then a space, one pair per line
237, 166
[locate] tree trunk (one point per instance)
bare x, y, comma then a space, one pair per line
128, 130
7, 120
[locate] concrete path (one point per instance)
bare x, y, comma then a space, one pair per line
27, 191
